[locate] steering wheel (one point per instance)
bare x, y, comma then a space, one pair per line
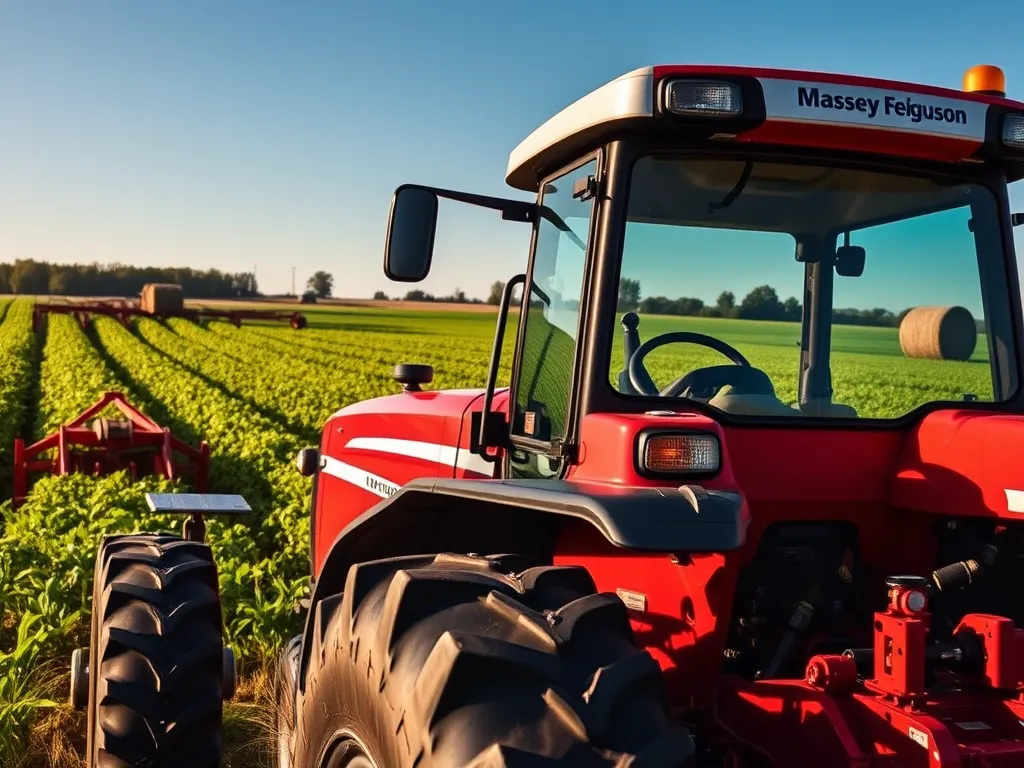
702, 382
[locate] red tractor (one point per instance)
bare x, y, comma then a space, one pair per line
787, 563
593, 569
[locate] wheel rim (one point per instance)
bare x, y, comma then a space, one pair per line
349, 752
358, 761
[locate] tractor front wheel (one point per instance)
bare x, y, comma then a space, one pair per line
156, 678
452, 660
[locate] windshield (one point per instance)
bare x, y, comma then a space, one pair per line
735, 251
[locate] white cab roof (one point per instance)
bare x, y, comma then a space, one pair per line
625, 98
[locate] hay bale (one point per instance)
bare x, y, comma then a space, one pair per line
162, 298
938, 333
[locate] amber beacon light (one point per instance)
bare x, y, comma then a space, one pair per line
986, 79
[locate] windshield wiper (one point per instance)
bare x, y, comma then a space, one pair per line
735, 192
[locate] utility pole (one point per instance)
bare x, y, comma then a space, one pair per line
293, 282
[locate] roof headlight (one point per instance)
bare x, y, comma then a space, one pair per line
1013, 131
703, 98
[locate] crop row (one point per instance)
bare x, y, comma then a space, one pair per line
48, 545
17, 356
263, 559
19, 650
297, 394
368, 357
72, 375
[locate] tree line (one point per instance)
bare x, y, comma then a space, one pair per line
27, 276
761, 303
457, 297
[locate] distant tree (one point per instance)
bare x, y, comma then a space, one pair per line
244, 284
418, 295
5, 278
321, 283
762, 303
792, 308
380, 296
29, 276
689, 306
656, 305
497, 287
629, 294
61, 282
726, 304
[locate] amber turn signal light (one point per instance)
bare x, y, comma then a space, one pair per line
680, 453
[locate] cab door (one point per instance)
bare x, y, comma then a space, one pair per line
541, 405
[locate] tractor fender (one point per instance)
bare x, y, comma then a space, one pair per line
522, 516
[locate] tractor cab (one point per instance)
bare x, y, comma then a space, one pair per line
760, 247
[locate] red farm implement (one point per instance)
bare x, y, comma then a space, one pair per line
169, 303
135, 443
123, 310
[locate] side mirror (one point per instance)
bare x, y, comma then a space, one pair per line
850, 261
412, 225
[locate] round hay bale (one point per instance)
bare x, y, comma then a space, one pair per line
938, 333
162, 298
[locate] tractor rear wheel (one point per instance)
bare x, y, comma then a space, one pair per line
452, 660
156, 659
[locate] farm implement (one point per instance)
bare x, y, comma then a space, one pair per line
159, 301
590, 568
134, 443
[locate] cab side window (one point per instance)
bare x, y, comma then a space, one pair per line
552, 307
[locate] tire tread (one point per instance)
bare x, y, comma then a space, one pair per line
457, 660
156, 692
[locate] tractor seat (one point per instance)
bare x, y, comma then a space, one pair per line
750, 404
828, 410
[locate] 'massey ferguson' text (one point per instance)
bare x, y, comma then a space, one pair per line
901, 106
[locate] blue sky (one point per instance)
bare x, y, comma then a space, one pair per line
272, 134
929, 259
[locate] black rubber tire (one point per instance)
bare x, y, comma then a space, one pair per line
451, 660
284, 698
156, 672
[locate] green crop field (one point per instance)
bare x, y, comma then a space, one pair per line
258, 394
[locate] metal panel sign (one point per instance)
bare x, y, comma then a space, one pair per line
202, 503
803, 101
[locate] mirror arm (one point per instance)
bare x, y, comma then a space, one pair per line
484, 437
511, 210
1016, 219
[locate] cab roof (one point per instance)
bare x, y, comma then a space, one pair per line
784, 107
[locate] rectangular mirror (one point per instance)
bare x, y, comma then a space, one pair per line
412, 225
850, 261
